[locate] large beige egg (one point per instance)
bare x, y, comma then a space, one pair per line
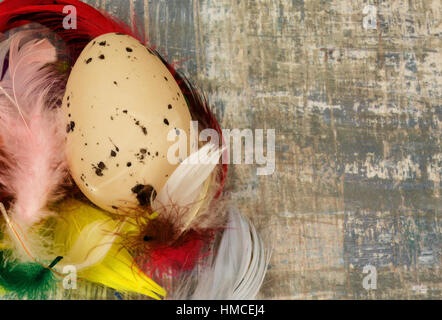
120, 104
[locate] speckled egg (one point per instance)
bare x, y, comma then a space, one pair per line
120, 104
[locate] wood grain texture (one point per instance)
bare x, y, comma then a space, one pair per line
357, 116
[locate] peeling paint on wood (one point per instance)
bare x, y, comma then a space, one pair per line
357, 116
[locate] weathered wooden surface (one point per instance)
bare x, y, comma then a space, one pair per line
357, 116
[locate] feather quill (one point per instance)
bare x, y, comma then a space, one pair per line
34, 166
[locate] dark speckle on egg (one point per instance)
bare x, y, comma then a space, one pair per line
99, 168
144, 194
88, 60
137, 153
70, 127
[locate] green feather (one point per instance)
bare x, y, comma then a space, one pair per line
28, 280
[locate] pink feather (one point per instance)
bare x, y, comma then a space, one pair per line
31, 127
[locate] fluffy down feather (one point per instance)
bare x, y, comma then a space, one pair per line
28, 280
32, 130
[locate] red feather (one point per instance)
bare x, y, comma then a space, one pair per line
173, 259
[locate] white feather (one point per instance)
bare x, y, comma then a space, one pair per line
187, 183
238, 269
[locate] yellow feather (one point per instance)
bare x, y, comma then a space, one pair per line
117, 271
87, 236
83, 233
